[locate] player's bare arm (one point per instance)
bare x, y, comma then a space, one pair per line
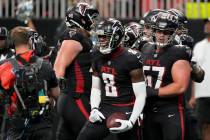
181, 75
68, 51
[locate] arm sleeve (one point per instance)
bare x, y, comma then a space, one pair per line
95, 96
140, 93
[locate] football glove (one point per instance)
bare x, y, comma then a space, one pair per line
125, 126
95, 116
151, 92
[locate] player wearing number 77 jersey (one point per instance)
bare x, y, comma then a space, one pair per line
167, 73
117, 85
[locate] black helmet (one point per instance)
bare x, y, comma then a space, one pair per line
82, 16
4, 36
187, 40
149, 17
182, 19
148, 22
3, 32
133, 31
110, 33
166, 21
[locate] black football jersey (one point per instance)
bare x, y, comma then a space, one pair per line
114, 72
78, 72
157, 68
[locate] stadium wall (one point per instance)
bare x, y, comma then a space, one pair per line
48, 28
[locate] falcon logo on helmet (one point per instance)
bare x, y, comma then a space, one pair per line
110, 33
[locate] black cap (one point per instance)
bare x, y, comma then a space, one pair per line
206, 20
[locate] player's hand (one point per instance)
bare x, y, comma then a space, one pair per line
151, 92
125, 126
95, 116
192, 103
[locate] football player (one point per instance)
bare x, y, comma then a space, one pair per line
184, 39
5, 51
147, 22
133, 31
72, 67
117, 85
167, 74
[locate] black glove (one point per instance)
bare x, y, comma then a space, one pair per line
62, 83
197, 73
151, 92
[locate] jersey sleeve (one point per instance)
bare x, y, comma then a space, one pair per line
76, 35
182, 53
134, 60
72, 34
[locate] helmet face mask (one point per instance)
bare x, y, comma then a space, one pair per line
148, 21
165, 29
110, 33
163, 37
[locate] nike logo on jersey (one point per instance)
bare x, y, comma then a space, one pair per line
171, 115
128, 113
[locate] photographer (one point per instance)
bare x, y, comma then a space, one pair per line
30, 82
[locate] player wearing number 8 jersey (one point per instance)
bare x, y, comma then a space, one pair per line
117, 85
167, 73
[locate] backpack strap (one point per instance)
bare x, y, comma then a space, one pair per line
39, 62
33, 59
13, 61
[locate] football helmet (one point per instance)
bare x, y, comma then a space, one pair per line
110, 33
133, 31
148, 22
182, 19
187, 40
37, 43
149, 17
82, 15
4, 38
168, 24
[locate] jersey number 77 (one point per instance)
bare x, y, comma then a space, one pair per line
150, 80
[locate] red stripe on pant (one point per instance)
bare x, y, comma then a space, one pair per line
82, 108
181, 114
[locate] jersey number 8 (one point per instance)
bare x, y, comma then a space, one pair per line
110, 88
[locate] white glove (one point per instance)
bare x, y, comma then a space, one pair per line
125, 126
96, 115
